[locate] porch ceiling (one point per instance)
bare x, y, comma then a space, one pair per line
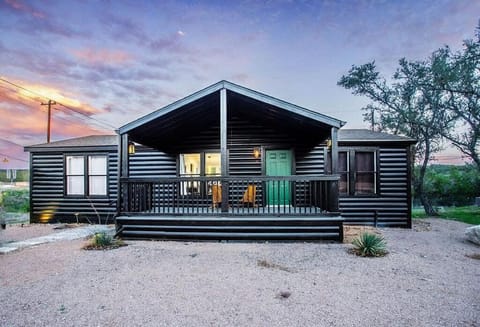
188, 116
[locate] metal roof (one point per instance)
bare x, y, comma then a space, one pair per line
365, 135
85, 141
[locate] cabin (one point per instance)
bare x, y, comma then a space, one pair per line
226, 163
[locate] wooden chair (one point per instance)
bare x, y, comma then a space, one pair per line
216, 195
249, 195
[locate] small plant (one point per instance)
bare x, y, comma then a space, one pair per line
369, 245
103, 241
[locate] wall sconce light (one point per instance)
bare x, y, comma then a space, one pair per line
256, 153
131, 148
329, 143
5, 160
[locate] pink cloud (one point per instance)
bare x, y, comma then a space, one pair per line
20, 6
102, 56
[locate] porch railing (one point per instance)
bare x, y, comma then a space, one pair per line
239, 195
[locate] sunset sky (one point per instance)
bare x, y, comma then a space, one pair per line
114, 61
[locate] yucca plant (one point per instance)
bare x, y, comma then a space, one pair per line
370, 245
102, 239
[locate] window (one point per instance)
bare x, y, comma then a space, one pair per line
358, 172
365, 167
199, 164
86, 175
75, 175
195, 165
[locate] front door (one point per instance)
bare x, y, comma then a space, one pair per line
278, 163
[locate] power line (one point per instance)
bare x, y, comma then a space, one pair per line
59, 103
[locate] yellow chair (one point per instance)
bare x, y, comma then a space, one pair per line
249, 195
216, 195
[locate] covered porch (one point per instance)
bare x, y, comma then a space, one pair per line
272, 164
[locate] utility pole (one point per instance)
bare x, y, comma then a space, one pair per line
49, 104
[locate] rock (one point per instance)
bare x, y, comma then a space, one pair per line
473, 234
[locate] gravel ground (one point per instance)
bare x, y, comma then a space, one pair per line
426, 280
22, 232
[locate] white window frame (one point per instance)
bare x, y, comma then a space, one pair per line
87, 175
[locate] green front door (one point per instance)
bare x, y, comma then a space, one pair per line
278, 163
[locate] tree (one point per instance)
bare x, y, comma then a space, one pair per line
432, 100
458, 76
407, 107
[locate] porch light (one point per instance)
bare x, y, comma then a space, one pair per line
131, 148
329, 143
256, 153
5, 160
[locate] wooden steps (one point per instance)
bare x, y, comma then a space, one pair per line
231, 228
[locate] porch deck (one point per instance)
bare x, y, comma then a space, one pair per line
231, 208
230, 228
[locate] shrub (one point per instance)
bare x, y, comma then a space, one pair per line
103, 241
369, 245
15, 200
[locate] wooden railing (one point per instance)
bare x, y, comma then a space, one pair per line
223, 196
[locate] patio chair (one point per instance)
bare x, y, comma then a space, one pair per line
216, 195
249, 195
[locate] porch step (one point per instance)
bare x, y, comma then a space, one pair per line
231, 228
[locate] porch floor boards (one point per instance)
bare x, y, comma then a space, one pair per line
230, 228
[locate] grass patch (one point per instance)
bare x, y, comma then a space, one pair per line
103, 241
469, 214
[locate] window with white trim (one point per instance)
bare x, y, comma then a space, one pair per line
86, 175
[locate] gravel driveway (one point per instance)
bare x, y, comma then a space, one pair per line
426, 280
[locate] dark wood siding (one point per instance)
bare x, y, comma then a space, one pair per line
150, 163
48, 201
392, 203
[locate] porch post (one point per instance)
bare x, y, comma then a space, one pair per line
334, 138
223, 147
122, 197
333, 189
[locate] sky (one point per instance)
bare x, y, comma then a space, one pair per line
107, 63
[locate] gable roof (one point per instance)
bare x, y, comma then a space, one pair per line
243, 91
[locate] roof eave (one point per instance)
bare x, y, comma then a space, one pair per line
171, 107
237, 89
